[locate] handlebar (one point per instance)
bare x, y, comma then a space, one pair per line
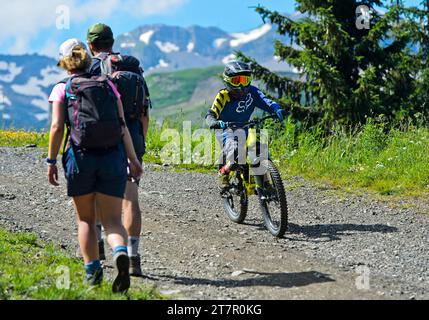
252, 123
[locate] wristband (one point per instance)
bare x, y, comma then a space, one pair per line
51, 162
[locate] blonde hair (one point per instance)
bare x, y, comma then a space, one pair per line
79, 61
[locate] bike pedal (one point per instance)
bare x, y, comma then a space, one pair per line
224, 193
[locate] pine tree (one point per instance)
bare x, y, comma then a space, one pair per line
350, 70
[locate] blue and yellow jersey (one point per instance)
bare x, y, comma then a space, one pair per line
229, 110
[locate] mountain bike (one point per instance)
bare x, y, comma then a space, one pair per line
268, 187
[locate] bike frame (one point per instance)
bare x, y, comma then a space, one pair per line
250, 184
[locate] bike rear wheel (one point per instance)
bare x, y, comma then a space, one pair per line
273, 201
236, 201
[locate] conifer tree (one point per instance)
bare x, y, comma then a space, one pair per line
352, 66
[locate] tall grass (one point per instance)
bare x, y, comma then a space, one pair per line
372, 157
388, 161
20, 138
391, 161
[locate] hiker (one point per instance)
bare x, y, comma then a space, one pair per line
126, 73
94, 160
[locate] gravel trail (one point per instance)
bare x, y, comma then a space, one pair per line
191, 250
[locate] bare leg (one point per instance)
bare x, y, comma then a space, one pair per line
110, 214
132, 212
110, 210
85, 209
99, 230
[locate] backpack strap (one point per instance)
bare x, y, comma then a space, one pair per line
68, 90
68, 94
107, 61
67, 120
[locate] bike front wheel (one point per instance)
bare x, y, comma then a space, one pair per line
272, 198
236, 201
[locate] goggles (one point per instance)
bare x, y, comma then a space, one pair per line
237, 81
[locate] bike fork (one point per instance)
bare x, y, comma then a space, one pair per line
259, 180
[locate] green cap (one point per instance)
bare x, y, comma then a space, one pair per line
100, 33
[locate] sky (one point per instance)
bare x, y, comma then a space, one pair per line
29, 26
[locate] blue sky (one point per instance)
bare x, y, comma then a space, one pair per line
29, 28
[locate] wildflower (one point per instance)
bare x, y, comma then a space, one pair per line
379, 165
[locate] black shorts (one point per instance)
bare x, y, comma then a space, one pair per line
95, 171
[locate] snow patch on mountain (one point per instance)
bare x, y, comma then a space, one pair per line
128, 45
190, 47
32, 88
12, 71
41, 104
246, 37
167, 47
145, 37
42, 116
4, 101
161, 64
35, 85
219, 42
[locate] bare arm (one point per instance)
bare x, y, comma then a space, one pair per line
55, 139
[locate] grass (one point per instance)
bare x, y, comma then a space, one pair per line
370, 158
19, 138
388, 162
32, 270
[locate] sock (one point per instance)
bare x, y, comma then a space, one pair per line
92, 267
120, 249
133, 246
99, 230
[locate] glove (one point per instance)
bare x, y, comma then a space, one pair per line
281, 114
219, 125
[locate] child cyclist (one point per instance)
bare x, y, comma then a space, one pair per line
95, 162
236, 103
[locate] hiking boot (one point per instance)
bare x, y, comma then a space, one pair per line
121, 261
135, 267
95, 279
101, 251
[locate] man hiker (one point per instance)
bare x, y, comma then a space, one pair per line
127, 75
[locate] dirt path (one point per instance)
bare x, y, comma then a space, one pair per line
191, 250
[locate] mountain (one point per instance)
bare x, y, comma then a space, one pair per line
186, 95
25, 83
167, 48
26, 80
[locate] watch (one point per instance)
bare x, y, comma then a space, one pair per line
51, 162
